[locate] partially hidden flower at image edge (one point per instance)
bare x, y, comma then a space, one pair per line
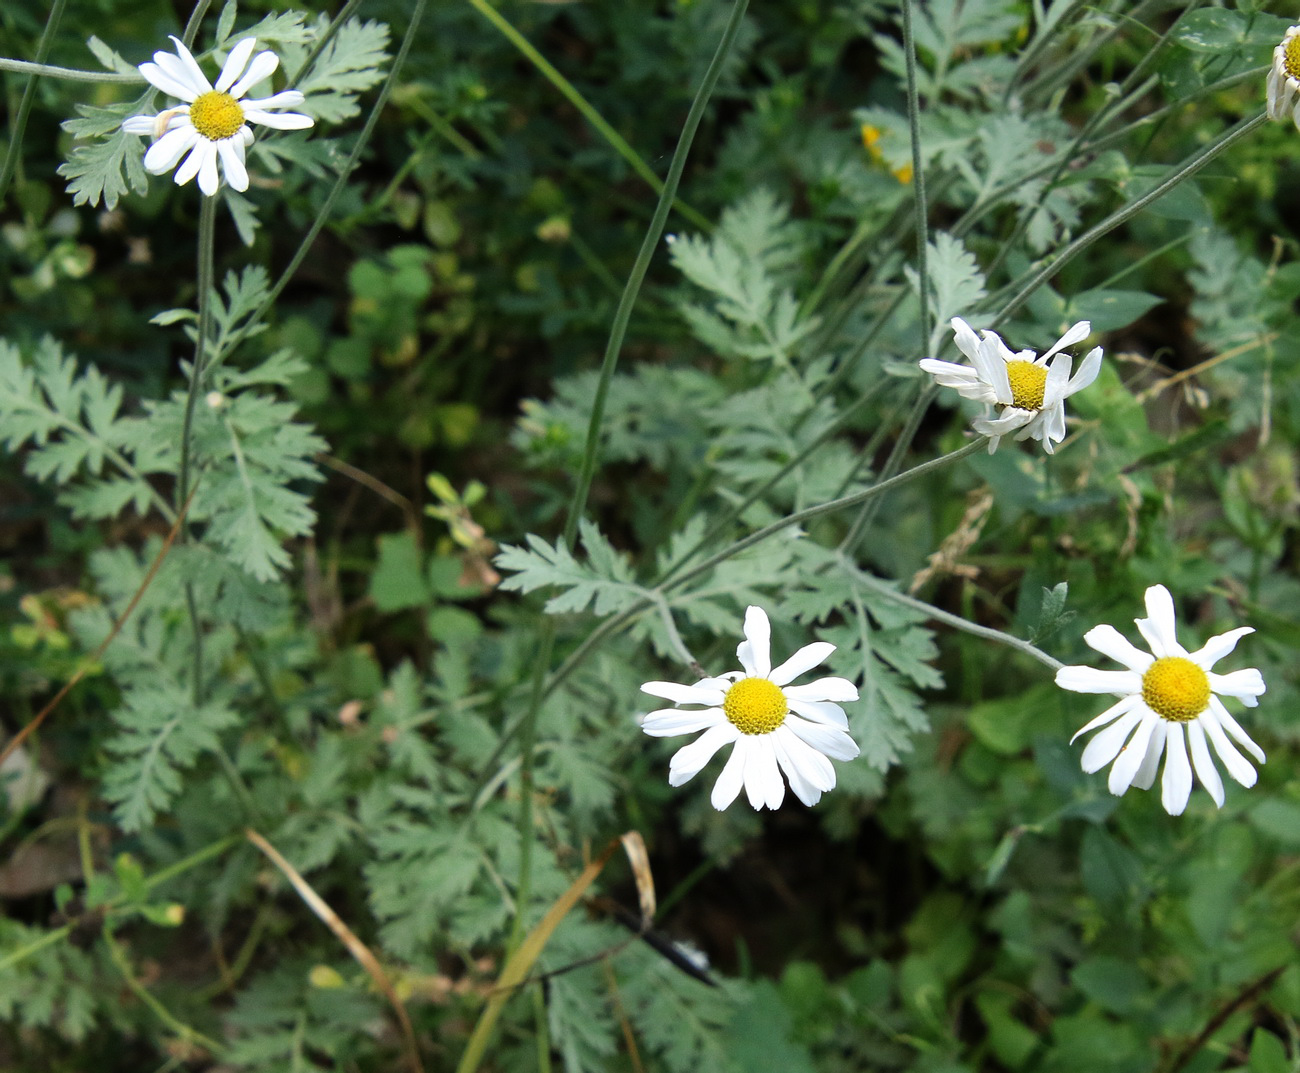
1284, 79
1168, 702
1029, 391
772, 726
213, 124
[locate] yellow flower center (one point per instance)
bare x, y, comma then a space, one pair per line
217, 116
1176, 689
755, 706
1028, 382
1291, 57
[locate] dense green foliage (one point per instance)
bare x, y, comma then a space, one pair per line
316, 535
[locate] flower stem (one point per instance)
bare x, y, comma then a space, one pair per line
345, 172
26, 67
918, 176
648, 245
206, 243
25, 105
1119, 216
584, 108
528, 726
955, 621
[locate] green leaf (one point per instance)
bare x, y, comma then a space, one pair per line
349, 65
94, 168
605, 580
161, 734
1109, 310
398, 581
1268, 1054
1211, 30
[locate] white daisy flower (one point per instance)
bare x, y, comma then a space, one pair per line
770, 724
1029, 393
212, 124
1284, 78
1161, 693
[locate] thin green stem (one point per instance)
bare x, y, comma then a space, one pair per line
584, 107
1120, 216
144, 995
955, 621
348, 10
649, 244
71, 74
527, 753
209, 851
809, 513
918, 176
618, 331
206, 244
29, 96
192, 24
363, 139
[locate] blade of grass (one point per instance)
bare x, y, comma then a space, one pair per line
589, 113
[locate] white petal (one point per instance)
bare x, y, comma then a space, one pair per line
964, 380
1058, 376
1087, 372
1245, 684
991, 360
286, 98
173, 87
1107, 744
139, 124
1204, 764
197, 78
809, 773
758, 633
1077, 334
235, 64
1216, 648
1234, 728
262, 67
834, 689
1090, 680
1117, 709
1238, 766
278, 120
1008, 421
733, 775
232, 163
830, 741
805, 659
192, 163
680, 694
966, 339
1110, 642
1132, 755
669, 722
209, 180
1160, 629
689, 759
1176, 786
820, 712
1051, 426
1146, 772
167, 150
763, 784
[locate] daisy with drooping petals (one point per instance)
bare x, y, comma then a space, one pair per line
213, 123
1284, 78
1161, 693
1030, 392
772, 725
